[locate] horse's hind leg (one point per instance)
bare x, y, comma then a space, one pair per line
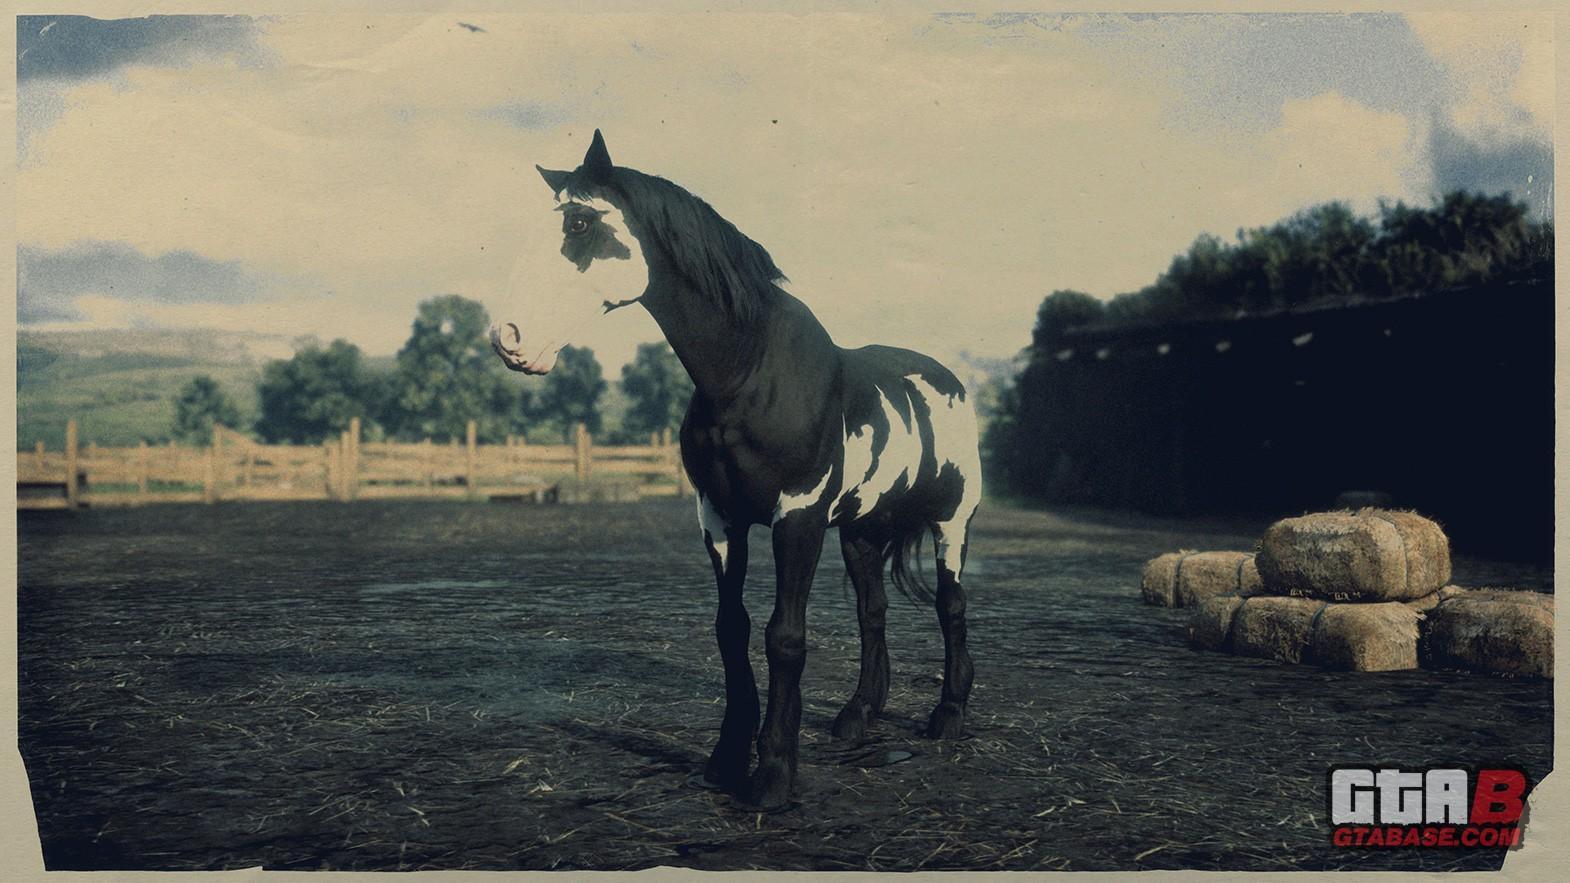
948, 719
864, 561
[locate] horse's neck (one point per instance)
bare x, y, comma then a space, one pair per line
783, 347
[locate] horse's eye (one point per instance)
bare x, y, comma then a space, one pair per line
579, 224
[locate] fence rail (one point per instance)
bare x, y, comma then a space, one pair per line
233, 467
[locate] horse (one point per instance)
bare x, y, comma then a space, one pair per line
786, 430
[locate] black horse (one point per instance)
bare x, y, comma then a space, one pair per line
787, 430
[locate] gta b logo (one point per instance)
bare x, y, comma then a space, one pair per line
1441, 807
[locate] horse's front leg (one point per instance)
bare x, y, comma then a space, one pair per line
727, 545
798, 540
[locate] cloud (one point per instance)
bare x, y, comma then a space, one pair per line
1500, 65
533, 115
56, 52
1238, 71
1497, 132
924, 181
1330, 147
1523, 166
74, 47
52, 283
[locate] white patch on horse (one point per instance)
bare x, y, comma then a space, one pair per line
901, 455
552, 303
956, 438
714, 530
857, 460
789, 502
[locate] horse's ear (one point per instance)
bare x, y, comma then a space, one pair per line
597, 162
557, 180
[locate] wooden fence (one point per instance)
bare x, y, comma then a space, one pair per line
233, 467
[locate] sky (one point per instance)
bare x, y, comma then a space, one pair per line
924, 180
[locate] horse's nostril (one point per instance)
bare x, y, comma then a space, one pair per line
506, 338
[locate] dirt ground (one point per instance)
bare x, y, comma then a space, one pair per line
426, 685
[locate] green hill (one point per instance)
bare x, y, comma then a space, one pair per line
120, 386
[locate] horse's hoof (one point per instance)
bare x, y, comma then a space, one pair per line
769, 790
700, 780
722, 775
947, 721
853, 721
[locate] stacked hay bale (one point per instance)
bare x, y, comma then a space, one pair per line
1368, 555
1184, 579
1492, 630
1363, 591
1349, 637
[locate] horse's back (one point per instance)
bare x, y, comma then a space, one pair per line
891, 364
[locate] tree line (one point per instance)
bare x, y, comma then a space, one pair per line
1324, 255
444, 376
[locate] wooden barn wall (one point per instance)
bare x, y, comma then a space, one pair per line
1445, 402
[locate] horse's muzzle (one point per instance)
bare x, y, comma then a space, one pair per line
507, 340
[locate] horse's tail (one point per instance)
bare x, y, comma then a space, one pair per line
903, 548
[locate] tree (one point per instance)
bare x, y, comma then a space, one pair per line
313, 395
1064, 309
200, 404
570, 393
657, 388
447, 376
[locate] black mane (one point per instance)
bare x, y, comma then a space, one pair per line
706, 249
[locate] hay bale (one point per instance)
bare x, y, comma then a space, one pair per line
1274, 628
1210, 625
1348, 637
1430, 601
1492, 630
1184, 579
1366, 637
1369, 555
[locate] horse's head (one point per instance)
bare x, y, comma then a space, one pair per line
579, 262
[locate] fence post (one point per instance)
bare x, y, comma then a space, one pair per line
142, 466
581, 452
329, 472
352, 473
342, 461
70, 462
38, 455
428, 457
471, 459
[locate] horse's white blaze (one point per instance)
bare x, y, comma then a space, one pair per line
790, 502
714, 526
550, 301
